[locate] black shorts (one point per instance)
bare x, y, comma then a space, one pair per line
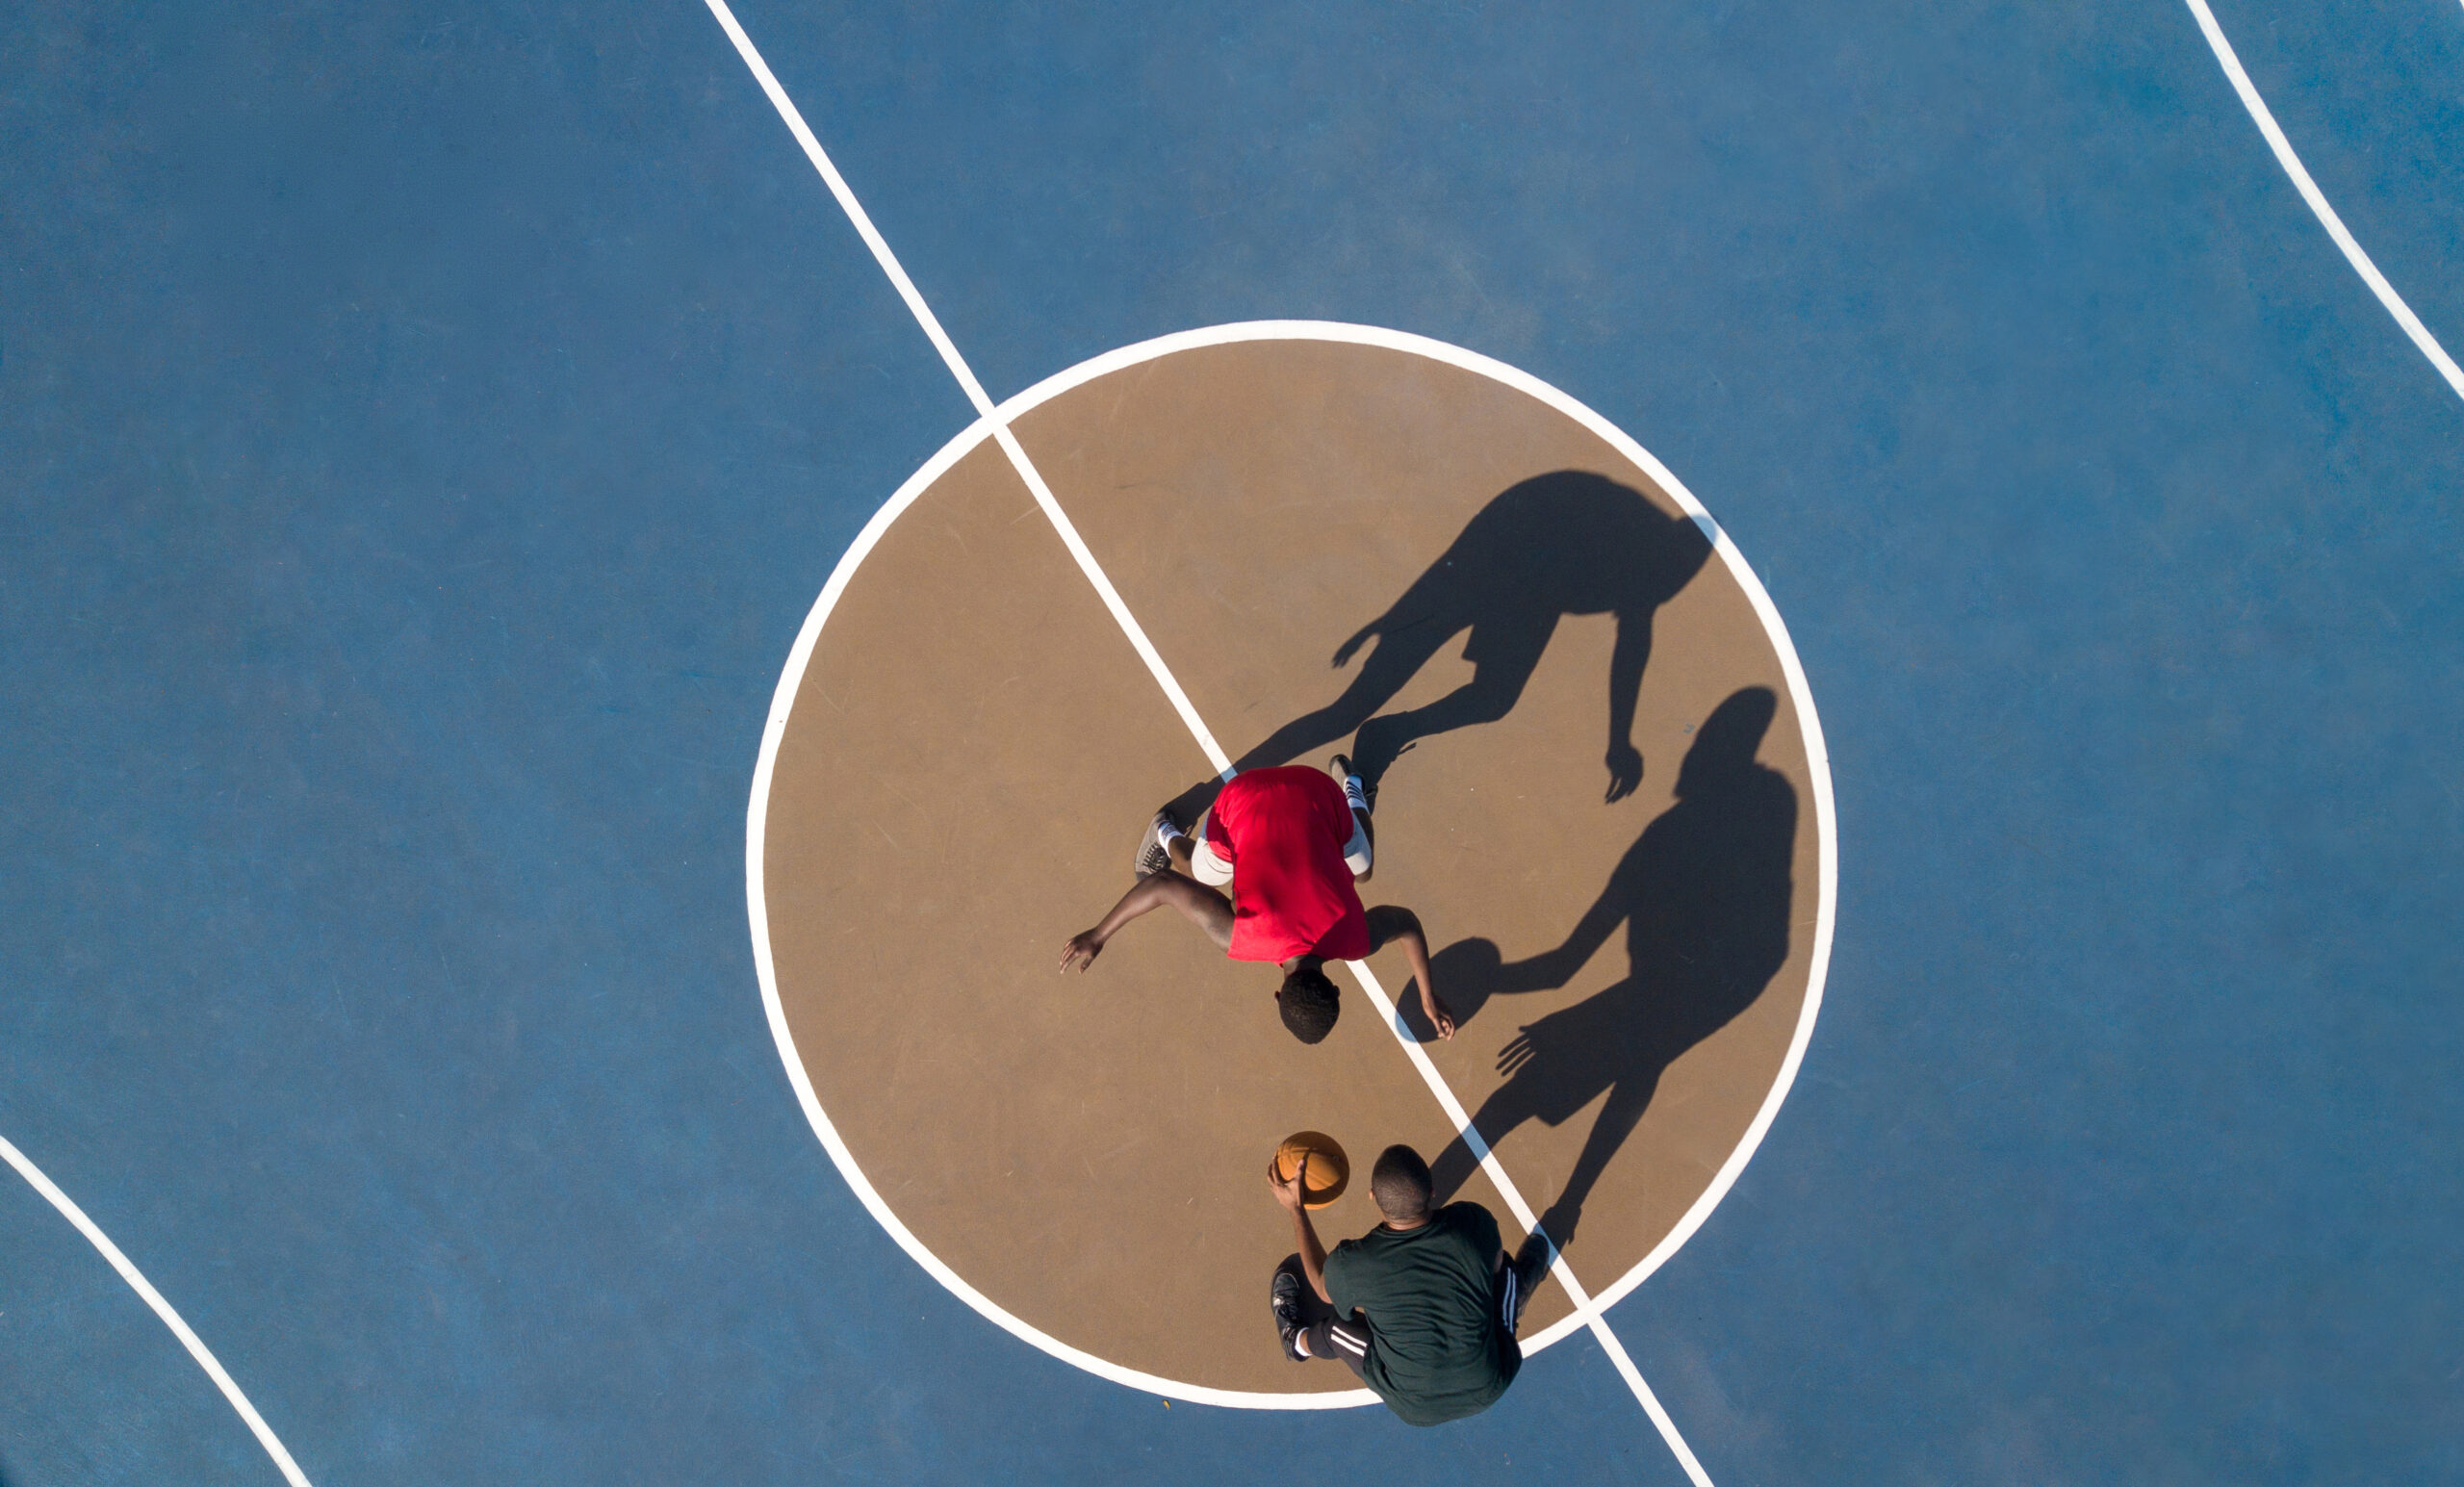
1349, 1337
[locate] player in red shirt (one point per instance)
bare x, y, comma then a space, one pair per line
1289, 842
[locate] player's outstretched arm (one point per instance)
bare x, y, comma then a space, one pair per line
1392, 924
1293, 1195
1198, 903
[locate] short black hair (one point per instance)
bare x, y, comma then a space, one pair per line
1399, 1183
1309, 1002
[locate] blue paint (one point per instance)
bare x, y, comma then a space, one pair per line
100, 1391
424, 432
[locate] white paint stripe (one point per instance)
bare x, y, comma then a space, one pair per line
2404, 313
799, 657
1800, 696
152, 1298
765, 969
1111, 596
1592, 1315
999, 421
967, 383
854, 209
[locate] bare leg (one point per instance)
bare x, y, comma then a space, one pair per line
1340, 768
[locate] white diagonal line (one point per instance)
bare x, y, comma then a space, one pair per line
145, 1292
854, 209
967, 383
1513, 1195
1111, 596
1172, 687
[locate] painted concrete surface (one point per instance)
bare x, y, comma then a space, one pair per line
424, 432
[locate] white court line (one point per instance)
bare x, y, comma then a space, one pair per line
2405, 319
1531, 1222
1589, 1311
1085, 560
1799, 691
1059, 384
974, 390
152, 1298
757, 828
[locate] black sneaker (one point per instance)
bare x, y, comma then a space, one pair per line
1153, 857
1285, 1297
1530, 1268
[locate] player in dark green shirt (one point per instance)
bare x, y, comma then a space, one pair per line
1423, 1307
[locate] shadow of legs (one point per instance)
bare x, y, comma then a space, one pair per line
1391, 661
1500, 1114
1507, 657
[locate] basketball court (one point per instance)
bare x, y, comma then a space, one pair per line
594, 596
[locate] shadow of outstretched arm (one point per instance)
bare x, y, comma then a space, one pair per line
1470, 972
1376, 627
1551, 969
1624, 686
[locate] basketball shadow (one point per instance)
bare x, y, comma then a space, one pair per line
1570, 541
1705, 896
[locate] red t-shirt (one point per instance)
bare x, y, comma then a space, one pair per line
1284, 831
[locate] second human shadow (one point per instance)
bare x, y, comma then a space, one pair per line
1705, 897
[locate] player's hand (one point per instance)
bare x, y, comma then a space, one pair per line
1294, 1193
1081, 952
1439, 1017
1625, 771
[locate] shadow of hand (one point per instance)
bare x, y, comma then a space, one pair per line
1530, 1043
1625, 772
1344, 652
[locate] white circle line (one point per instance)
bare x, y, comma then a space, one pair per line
799, 657
781, 703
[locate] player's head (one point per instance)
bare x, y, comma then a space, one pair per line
1399, 1183
1308, 1003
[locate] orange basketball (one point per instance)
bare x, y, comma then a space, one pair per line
1329, 1170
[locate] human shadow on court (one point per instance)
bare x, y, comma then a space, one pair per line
1569, 542
1704, 895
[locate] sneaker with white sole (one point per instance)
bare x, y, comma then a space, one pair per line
1285, 1297
1153, 857
1356, 790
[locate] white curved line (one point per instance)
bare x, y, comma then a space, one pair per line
1800, 693
2405, 319
1817, 753
755, 830
799, 657
145, 1292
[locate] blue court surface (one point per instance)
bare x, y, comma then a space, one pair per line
425, 431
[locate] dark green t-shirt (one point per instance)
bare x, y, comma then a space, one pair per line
1438, 1350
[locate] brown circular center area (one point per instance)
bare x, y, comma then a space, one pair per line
1333, 547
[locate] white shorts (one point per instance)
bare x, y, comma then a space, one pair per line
1215, 873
